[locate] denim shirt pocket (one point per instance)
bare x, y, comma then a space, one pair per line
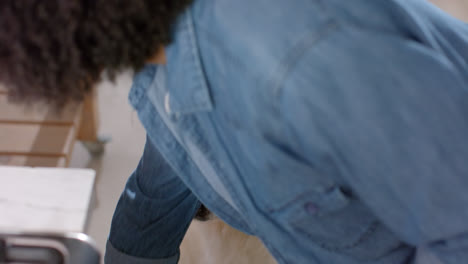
338, 223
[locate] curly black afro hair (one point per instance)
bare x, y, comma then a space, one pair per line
54, 51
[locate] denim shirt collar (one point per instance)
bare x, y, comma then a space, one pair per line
183, 76
186, 82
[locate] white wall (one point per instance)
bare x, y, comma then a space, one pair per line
458, 8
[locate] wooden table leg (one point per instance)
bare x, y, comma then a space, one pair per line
88, 131
89, 124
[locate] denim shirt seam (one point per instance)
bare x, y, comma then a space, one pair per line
295, 54
214, 41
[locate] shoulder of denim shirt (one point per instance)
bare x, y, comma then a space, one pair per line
266, 38
261, 39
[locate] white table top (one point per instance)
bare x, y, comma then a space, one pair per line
44, 199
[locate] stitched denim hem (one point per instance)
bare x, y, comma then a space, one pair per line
114, 256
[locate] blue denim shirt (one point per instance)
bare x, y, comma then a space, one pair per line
335, 131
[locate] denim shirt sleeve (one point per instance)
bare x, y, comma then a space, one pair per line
152, 215
391, 115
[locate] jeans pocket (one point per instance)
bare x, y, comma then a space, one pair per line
335, 222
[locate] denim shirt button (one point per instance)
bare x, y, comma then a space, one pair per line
311, 208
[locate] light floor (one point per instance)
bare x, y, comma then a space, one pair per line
120, 122
121, 156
